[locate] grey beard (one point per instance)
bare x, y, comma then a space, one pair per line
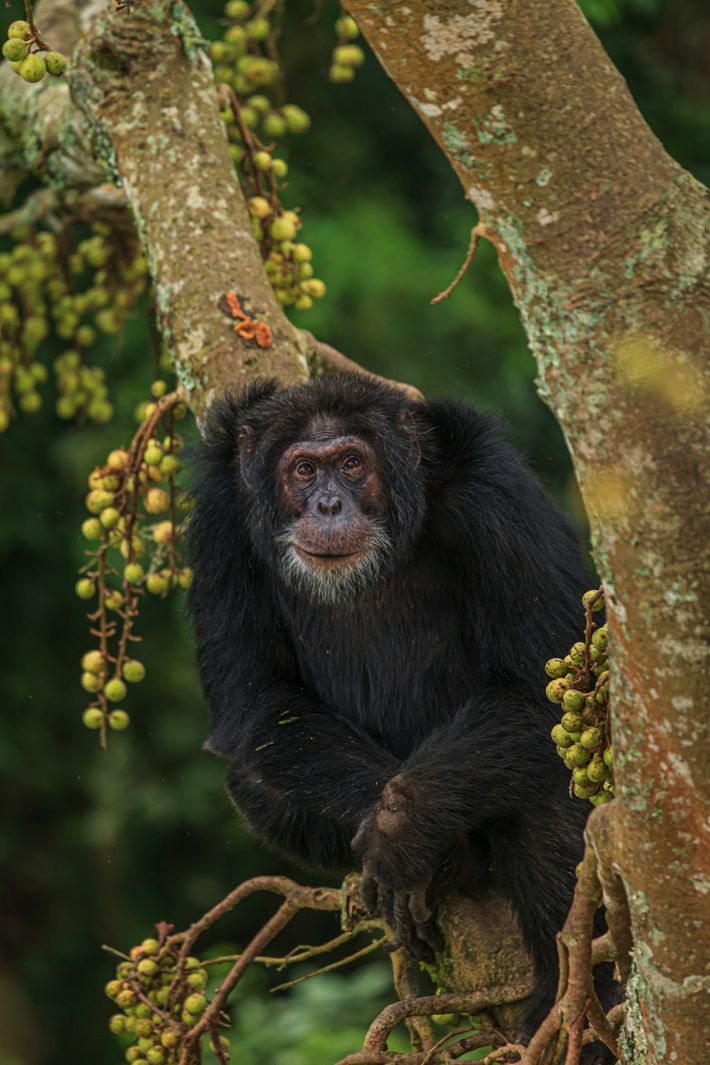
332, 586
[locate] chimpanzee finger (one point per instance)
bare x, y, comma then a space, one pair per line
428, 933
369, 892
406, 932
418, 904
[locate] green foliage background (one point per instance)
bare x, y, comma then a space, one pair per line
95, 847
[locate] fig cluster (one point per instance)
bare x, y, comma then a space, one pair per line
22, 50
134, 527
250, 77
62, 291
246, 60
158, 999
579, 684
346, 57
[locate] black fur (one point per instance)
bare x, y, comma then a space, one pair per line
434, 673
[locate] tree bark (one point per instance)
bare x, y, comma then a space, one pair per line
604, 240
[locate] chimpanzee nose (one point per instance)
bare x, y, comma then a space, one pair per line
330, 506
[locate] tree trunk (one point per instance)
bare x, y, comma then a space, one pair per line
604, 240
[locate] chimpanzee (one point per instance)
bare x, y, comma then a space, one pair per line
378, 583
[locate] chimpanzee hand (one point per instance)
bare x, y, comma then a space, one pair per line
400, 858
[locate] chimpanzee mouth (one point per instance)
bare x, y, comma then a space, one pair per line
326, 557
330, 576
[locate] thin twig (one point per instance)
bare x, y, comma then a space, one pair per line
476, 233
335, 964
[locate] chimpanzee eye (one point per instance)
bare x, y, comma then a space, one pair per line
305, 470
352, 464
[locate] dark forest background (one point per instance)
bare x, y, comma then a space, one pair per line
97, 846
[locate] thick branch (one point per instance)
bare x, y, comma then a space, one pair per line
604, 241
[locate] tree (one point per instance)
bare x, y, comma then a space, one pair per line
603, 239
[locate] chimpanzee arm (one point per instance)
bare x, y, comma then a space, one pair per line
294, 761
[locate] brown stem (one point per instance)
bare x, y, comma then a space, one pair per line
422, 1006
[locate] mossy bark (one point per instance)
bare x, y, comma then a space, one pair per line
605, 242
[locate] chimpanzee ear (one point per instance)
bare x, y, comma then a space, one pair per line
246, 442
408, 426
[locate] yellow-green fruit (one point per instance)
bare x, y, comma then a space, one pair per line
118, 720
197, 979
601, 798
112, 988
115, 690
170, 465
109, 517
296, 118
443, 1018
600, 638
117, 459
150, 946
578, 869
302, 253
346, 28
91, 682
303, 303
580, 775
314, 287
571, 722
561, 737
85, 588
275, 125
597, 771
133, 573
556, 689
584, 791
169, 1038
590, 598
259, 207
185, 578
236, 9
19, 28
573, 700
282, 229
163, 532
136, 546
258, 29
578, 755
262, 160
133, 671
195, 1003
608, 757
30, 402
32, 68
93, 662
591, 738
114, 600
153, 455
14, 49
279, 168
155, 1056
93, 717
156, 501
157, 584
348, 55
97, 500
91, 529
55, 62
147, 967
117, 1024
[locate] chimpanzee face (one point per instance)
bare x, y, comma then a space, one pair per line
332, 538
